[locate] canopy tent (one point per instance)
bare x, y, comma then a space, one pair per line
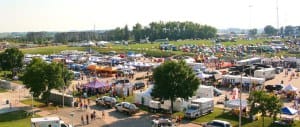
203, 76
92, 67
235, 103
288, 111
96, 84
290, 88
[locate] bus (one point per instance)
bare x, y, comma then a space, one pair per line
255, 60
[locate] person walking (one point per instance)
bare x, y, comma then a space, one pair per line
103, 114
82, 120
94, 113
92, 116
87, 119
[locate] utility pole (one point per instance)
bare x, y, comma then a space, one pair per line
240, 112
277, 16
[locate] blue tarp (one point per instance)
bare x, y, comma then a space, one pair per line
288, 111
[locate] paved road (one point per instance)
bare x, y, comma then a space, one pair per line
118, 119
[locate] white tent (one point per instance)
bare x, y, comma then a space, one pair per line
290, 88
204, 92
203, 76
235, 103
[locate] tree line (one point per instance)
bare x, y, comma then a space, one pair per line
152, 32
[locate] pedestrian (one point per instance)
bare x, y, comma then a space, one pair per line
103, 115
87, 119
92, 117
94, 113
56, 109
82, 120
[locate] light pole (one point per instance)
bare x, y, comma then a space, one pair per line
240, 113
72, 115
32, 103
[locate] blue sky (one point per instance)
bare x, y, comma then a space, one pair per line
66, 15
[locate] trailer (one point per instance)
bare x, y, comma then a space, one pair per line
266, 73
233, 79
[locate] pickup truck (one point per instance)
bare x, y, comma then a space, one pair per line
127, 107
106, 101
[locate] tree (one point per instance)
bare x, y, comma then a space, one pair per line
137, 32
174, 80
42, 77
126, 33
270, 30
11, 60
289, 31
252, 32
264, 103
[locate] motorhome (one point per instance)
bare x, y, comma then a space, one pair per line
200, 107
266, 73
255, 60
233, 79
48, 122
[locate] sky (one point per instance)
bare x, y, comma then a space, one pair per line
73, 15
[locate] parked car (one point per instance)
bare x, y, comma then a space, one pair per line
273, 87
297, 70
126, 107
121, 81
218, 123
106, 101
278, 70
139, 85
217, 92
162, 123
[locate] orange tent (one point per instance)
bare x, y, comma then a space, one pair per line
99, 68
110, 69
92, 67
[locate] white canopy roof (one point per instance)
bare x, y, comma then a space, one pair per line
290, 87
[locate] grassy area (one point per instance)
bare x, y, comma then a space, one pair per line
15, 119
233, 119
2, 90
51, 49
39, 104
36, 103
127, 99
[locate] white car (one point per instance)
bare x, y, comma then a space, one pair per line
218, 123
106, 101
127, 108
162, 123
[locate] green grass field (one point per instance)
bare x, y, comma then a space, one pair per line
2, 90
51, 49
148, 47
233, 119
15, 119
36, 103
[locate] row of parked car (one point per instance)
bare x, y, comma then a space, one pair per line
111, 102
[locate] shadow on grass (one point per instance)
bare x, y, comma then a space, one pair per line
231, 117
12, 116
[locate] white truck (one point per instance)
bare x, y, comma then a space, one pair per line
266, 73
199, 107
154, 106
48, 122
